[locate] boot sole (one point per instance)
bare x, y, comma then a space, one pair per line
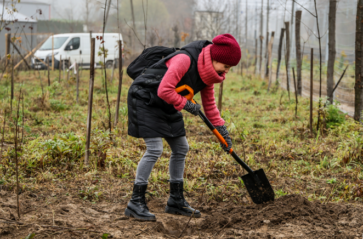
129, 213
176, 211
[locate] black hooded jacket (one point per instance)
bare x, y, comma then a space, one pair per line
149, 116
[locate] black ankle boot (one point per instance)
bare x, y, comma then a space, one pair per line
177, 204
137, 207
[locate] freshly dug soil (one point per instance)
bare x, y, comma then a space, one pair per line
53, 214
289, 216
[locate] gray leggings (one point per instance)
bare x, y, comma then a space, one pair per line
179, 147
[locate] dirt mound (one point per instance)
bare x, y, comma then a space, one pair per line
304, 217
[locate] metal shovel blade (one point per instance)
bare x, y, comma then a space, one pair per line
260, 192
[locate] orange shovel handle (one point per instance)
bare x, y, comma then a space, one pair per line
201, 115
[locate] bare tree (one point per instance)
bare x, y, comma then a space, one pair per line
358, 104
261, 35
332, 50
218, 17
176, 36
88, 13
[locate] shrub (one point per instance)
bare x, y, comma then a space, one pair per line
57, 105
334, 117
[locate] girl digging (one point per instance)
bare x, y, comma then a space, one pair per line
154, 113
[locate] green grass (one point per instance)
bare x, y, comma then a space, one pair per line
265, 129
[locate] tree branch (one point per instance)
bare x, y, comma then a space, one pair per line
304, 8
134, 33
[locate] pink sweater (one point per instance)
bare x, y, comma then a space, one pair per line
177, 67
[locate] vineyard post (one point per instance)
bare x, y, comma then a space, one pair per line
90, 100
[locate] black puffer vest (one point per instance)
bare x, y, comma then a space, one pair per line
149, 115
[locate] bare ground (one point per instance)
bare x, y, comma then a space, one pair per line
52, 213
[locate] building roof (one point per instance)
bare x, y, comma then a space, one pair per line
14, 16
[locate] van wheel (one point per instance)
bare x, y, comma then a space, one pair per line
109, 64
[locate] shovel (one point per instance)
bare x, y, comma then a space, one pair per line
256, 182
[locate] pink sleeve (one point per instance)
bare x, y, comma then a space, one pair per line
209, 106
177, 67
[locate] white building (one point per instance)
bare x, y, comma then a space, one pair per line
20, 26
34, 9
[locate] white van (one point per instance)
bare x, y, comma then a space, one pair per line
76, 47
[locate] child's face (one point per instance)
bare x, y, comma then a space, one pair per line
221, 68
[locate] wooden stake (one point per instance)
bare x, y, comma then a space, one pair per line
52, 52
296, 102
298, 51
267, 55
48, 71
77, 79
69, 62
113, 70
279, 53
16, 157
270, 46
287, 57
256, 43
311, 89
12, 76
90, 101
7, 46
120, 75
3, 136
220, 96
60, 68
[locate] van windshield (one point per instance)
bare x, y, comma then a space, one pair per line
58, 42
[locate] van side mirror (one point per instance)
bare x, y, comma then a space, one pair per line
68, 48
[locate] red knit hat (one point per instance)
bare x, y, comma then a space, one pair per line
226, 50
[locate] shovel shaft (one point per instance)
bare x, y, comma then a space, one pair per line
223, 141
211, 127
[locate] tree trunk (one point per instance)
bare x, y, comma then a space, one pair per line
332, 50
279, 53
292, 28
267, 38
358, 104
120, 74
261, 37
298, 51
266, 55
246, 23
287, 57
133, 25
261, 49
